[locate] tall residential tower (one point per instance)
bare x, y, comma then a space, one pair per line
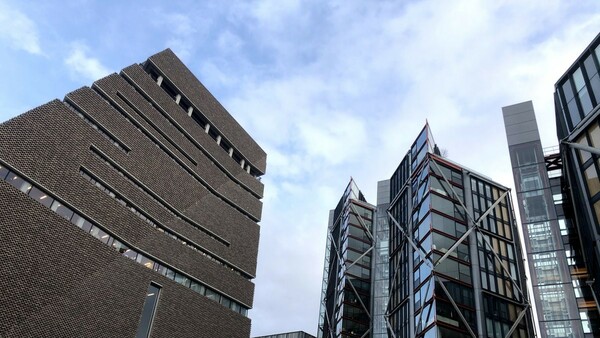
455, 258
346, 291
559, 200
440, 258
577, 108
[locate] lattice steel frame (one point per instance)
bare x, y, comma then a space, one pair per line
331, 241
475, 226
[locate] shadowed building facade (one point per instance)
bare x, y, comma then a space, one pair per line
577, 108
455, 258
130, 208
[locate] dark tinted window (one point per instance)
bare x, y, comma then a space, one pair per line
148, 312
41, 197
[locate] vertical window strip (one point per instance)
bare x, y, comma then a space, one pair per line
90, 177
103, 131
148, 311
100, 233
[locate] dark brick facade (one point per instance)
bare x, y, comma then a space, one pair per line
129, 134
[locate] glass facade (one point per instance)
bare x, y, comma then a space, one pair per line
380, 268
346, 292
577, 102
455, 269
557, 265
578, 91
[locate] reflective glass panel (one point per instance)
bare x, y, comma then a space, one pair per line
148, 311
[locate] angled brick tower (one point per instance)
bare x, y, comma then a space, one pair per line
129, 208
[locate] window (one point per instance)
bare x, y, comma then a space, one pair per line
591, 177
148, 311
18, 182
82, 222
99, 234
41, 197
60, 209
3, 172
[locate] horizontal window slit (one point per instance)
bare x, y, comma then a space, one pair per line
156, 224
89, 120
103, 235
175, 158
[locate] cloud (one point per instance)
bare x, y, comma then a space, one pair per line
229, 42
83, 66
18, 30
348, 87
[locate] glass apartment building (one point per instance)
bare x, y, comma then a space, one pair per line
455, 260
577, 109
346, 292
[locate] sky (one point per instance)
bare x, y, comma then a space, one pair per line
330, 90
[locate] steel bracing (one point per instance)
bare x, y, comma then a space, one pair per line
328, 319
474, 227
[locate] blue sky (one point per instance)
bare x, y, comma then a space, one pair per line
330, 89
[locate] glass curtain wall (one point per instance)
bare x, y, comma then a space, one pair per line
439, 259
346, 292
552, 287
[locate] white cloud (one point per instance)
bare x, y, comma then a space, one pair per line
18, 30
351, 86
229, 42
83, 66
183, 31
340, 88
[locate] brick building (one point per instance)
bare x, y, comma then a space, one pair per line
129, 207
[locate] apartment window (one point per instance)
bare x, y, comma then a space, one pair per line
591, 176
148, 311
585, 322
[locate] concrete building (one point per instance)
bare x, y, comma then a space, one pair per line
129, 208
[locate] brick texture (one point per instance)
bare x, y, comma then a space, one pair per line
170, 65
58, 281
